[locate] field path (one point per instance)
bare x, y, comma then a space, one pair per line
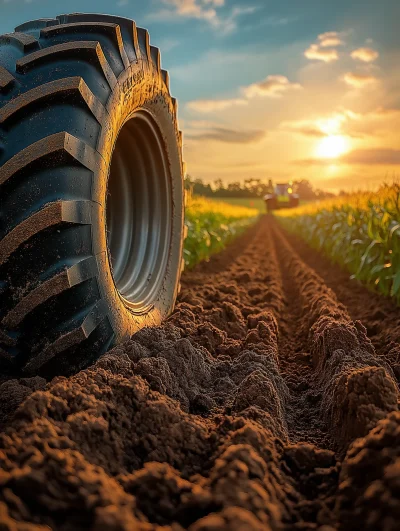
267, 401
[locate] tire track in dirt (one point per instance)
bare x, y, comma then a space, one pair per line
258, 405
357, 389
379, 315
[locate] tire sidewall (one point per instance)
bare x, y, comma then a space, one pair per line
140, 87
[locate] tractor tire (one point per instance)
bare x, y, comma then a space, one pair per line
91, 188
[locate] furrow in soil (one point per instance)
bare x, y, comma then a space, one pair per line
262, 403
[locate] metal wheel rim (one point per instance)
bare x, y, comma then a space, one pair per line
139, 210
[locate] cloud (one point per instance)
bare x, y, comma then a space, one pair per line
323, 50
271, 86
303, 127
340, 122
231, 136
372, 156
329, 39
195, 8
328, 35
229, 23
329, 42
367, 157
199, 9
379, 122
202, 10
358, 80
383, 111
205, 106
321, 54
365, 54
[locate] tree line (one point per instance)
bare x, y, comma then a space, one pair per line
251, 188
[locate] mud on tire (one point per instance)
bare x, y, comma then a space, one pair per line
91, 211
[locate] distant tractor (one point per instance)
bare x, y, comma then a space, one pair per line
282, 196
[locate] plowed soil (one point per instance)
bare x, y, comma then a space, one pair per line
267, 401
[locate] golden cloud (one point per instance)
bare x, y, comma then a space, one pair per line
208, 10
303, 127
337, 123
358, 80
321, 54
323, 49
373, 123
383, 156
365, 54
329, 39
271, 86
375, 156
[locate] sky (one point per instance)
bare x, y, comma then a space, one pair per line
295, 89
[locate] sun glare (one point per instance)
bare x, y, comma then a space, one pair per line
332, 146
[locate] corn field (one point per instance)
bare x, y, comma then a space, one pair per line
211, 226
360, 232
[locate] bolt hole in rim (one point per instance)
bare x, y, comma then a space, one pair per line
139, 210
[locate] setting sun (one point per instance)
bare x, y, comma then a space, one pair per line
332, 146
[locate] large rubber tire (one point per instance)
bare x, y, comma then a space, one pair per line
91, 187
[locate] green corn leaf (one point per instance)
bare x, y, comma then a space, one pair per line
378, 269
396, 285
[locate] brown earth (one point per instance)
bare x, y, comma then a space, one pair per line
267, 401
